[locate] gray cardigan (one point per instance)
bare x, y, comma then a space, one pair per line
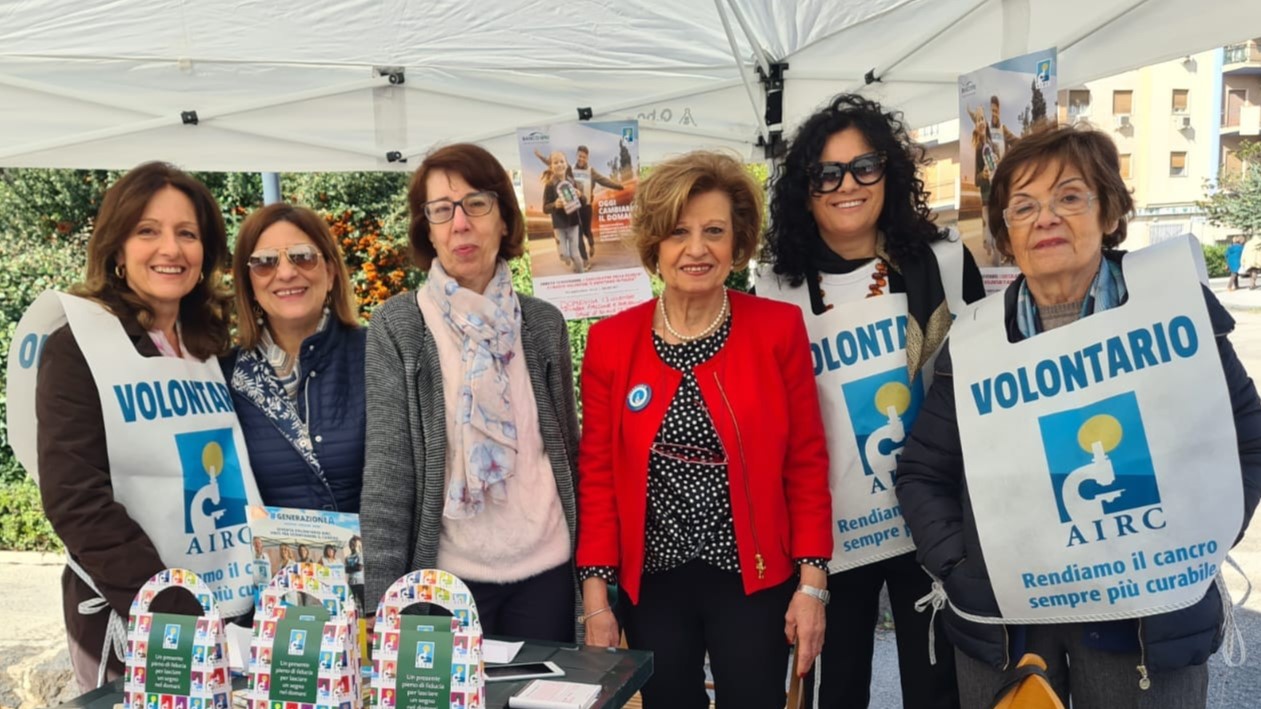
404, 477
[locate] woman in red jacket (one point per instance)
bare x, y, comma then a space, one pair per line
703, 488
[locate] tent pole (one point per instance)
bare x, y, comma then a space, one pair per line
604, 111
763, 131
759, 53
1066, 45
271, 187
877, 73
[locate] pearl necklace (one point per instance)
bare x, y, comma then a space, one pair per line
665, 319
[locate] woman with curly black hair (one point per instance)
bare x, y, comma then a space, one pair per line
853, 244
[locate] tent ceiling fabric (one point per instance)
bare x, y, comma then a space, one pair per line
305, 86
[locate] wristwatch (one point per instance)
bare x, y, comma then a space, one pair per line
820, 594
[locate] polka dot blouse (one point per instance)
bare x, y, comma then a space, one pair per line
689, 504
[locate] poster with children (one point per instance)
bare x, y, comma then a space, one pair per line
175, 661
578, 181
997, 105
330, 540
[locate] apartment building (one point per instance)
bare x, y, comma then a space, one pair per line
1177, 125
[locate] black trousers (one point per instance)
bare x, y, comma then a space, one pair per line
540, 607
850, 639
695, 608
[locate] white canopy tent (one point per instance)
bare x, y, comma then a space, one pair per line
370, 84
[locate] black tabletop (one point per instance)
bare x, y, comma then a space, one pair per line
620, 672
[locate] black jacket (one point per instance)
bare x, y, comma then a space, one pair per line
932, 490
331, 397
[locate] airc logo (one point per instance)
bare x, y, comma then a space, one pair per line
882, 408
214, 490
1101, 467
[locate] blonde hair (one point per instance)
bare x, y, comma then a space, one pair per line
661, 197
548, 175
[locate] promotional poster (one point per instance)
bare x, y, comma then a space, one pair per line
578, 181
997, 105
285, 535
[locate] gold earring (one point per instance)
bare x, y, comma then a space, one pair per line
120, 271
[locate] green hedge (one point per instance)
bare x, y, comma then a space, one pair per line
1215, 259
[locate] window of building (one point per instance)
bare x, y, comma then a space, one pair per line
1235, 101
1125, 166
1177, 164
1231, 164
1180, 100
1164, 232
1078, 104
1122, 103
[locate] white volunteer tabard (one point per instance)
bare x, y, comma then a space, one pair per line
868, 406
177, 457
1101, 457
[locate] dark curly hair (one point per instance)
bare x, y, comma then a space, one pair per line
906, 220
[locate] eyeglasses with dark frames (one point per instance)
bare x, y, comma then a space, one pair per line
474, 204
827, 177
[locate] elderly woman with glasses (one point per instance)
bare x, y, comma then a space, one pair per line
852, 244
1089, 450
297, 377
704, 468
472, 425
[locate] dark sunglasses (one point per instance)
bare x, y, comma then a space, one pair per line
264, 262
827, 176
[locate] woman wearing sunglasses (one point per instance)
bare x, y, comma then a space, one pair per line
853, 245
297, 376
472, 424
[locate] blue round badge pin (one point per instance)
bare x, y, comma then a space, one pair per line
639, 396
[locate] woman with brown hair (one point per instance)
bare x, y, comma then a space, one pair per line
1153, 446
140, 460
297, 376
472, 427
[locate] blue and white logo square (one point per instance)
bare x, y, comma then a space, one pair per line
424, 655
1099, 459
297, 642
214, 490
882, 408
171, 636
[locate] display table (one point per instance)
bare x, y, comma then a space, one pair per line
620, 672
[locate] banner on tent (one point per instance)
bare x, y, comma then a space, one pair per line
578, 180
997, 105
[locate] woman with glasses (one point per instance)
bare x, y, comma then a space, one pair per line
297, 376
472, 425
140, 461
704, 469
1083, 517
852, 244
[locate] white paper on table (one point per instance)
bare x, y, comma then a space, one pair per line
238, 646
498, 652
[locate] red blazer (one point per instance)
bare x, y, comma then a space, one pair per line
761, 395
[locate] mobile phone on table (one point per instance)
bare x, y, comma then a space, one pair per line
522, 670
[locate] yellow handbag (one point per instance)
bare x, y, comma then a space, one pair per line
1029, 687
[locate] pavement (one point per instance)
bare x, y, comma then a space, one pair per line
34, 669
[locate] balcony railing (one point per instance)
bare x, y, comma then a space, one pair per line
1243, 53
